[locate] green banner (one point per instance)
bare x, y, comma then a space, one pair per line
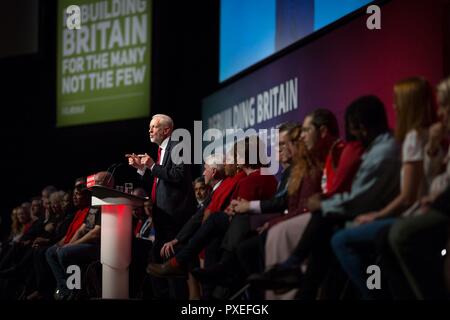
103, 71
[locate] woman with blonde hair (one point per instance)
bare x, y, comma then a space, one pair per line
15, 234
304, 178
21, 223
16, 227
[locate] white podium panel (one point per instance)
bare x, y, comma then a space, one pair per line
115, 243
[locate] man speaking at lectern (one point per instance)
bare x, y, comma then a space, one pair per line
172, 192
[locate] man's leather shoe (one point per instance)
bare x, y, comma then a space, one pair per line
166, 270
61, 294
216, 274
277, 278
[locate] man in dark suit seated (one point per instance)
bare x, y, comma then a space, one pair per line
213, 176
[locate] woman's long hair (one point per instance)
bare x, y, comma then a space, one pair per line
303, 163
414, 103
16, 226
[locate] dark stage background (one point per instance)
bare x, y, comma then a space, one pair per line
184, 71
35, 153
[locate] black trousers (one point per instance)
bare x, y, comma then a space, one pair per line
166, 229
45, 281
212, 229
237, 232
251, 258
315, 246
251, 254
417, 243
140, 257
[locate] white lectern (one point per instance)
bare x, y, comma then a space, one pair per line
116, 234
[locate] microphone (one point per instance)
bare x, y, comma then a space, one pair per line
91, 180
114, 166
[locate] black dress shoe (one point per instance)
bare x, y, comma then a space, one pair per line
277, 278
217, 274
61, 294
166, 270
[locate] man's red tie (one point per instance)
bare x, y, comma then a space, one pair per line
155, 179
138, 227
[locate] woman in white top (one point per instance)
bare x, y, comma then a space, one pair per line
413, 104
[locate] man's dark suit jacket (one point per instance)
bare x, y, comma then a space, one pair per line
280, 201
174, 190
